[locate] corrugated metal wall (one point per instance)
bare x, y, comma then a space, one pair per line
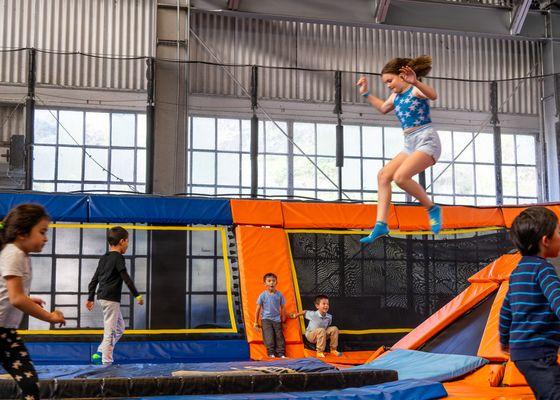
113, 27
499, 3
323, 46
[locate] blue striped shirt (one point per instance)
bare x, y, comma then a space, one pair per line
530, 314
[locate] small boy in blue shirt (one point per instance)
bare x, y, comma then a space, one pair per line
320, 326
530, 314
270, 309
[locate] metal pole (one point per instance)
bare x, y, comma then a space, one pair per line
339, 129
497, 142
30, 118
254, 133
150, 128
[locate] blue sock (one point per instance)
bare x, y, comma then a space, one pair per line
435, 218
380, 229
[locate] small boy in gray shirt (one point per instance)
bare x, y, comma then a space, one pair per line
270, 310
319, 328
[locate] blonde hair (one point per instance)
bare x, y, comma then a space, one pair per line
422, 65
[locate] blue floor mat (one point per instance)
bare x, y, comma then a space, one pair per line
399, 390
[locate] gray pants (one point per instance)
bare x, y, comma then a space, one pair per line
113, 329
273, 338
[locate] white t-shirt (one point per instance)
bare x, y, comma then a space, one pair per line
13, 262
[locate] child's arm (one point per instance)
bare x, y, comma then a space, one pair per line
505, 323
383, 106
550, 285
283, 313
20, 300
297, 314
409, 76
126, 278
257, 316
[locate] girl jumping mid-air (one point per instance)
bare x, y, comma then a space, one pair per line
422, 147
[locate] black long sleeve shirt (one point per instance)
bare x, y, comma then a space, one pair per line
110, 275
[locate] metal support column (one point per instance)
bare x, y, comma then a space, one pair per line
339, 129
150, 125
497, 142
30, 118
254, 133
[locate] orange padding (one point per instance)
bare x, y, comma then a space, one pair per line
332, 215
490, 343
465, 301
465, 391
257, 212
512, 376
263, 250
376, 353
498, 270
416, 217
490, 375
511, 212
347, 357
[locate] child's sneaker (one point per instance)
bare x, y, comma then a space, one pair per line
320, 354
336, 353
379, 230
283, 356
435, 218
271, 356
96, 358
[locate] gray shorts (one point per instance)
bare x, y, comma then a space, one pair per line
424, 139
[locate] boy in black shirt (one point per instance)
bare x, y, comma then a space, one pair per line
110, 275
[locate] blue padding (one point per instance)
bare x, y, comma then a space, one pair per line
411, 364
162, 370
160, 210
141, 352
61, 207
400, 390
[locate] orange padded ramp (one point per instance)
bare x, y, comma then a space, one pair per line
498, 270
490, 344
263, 250
347, 357
465, 391
511, 212
257, 212
413, 218
332, 215
470, 297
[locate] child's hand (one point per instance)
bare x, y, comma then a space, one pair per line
89, 305
363, 84
256, 326
40, 302
57, 318
140, 300
408, 75
292, 315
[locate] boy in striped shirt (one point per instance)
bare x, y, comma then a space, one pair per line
530, 314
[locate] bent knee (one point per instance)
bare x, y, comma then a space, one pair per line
384, 177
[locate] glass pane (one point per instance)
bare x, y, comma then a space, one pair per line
220, 276
42, 270
485, 201
276, 171
228, 135
222, 311
508, 149
446, 145
202, 310
304, 137
141, 166
89, 265
202, 275
462, 143
36, 324
464, 179
94, 241
393, 142
525, 146
326, 139
275, 137
509, 181
69, 163
67, 275
95, 188
90, 319
328, 166
71, 129
202, 243
246, 136
484, 148
203, 168
372, 141
246, 170
97, 159
228, 169
527, 183
371, 168
43, 162
45, 126
141, 273
123, 130
465, 200
141, 244
203, 133
122, 165
43, 186
442, 183
97, 128
304, 177
485, 180
67, 241
352, 142
141, 125
351, 174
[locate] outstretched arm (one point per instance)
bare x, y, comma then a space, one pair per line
383, 106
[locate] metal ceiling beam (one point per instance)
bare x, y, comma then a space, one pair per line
381, 8
519, 14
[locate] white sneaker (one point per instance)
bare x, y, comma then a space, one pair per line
271, 356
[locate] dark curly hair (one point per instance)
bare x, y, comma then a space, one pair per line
422, 65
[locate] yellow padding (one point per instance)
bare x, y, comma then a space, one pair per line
137, 227
127, 332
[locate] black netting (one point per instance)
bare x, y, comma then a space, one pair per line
393, 283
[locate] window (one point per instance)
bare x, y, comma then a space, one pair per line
519, 169
89, 151
63, 270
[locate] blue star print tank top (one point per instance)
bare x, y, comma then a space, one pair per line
411, 111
